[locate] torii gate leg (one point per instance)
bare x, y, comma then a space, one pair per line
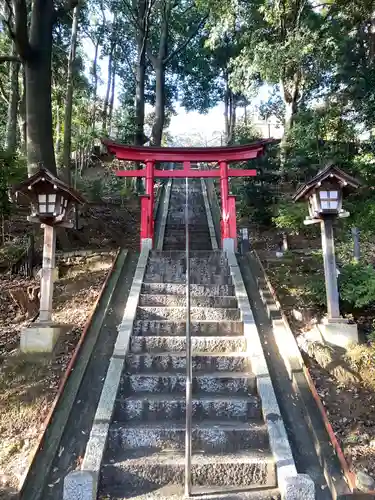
147, 208
227, 222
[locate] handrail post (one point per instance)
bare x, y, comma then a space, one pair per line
189, 371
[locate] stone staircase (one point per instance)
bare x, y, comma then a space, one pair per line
146, 441
174, 238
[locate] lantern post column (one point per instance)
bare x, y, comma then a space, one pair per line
48, 274
330, 270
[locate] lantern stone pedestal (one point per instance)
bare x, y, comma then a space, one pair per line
41, 337
338, 332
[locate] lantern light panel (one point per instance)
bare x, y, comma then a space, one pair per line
329, 200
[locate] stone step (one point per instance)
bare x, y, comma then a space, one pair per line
203, 383
146, 470
178, 328
195, 278
176, 270
207, 437
180, 301
176, 344
196, 313
202, 254
176, 362
151, 407
180, 258
178, 230
195, 290
176, 492
194, 246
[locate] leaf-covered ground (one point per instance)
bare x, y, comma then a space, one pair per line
350, 408
28, 385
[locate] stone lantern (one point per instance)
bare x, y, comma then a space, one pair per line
324, 195
51, 202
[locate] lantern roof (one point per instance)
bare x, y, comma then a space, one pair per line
332, 173
41, 177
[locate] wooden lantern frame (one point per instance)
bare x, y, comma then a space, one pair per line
44, 190
329, 180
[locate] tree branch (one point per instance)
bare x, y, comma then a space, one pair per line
133, 20
186, 42
4, 59
7, 17
68, 6
21, 35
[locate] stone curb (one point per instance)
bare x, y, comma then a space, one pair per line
292, 485
83, 484
210, 221
164, 208
285, 341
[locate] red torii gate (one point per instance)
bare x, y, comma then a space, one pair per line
222, 155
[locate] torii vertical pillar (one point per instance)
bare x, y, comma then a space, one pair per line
147, 208
228, 211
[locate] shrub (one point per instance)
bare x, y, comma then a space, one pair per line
290, 217
357, 285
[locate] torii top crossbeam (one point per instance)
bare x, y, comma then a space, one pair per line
217, 153
187, 155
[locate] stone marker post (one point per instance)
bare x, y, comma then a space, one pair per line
356, 246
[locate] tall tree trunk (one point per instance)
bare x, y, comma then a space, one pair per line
40, 151
232, 116
291, 109
22, 123
140, 95
157, 129
226, 116
58, 131
95, 75
290, 92
158, 64
69, 97
109, 85
112, 100
11, 130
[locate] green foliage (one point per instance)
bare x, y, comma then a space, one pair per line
357, 285
12, 170
315, 289
290, 216
317, 136
257, 195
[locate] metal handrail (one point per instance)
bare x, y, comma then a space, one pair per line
189, 370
